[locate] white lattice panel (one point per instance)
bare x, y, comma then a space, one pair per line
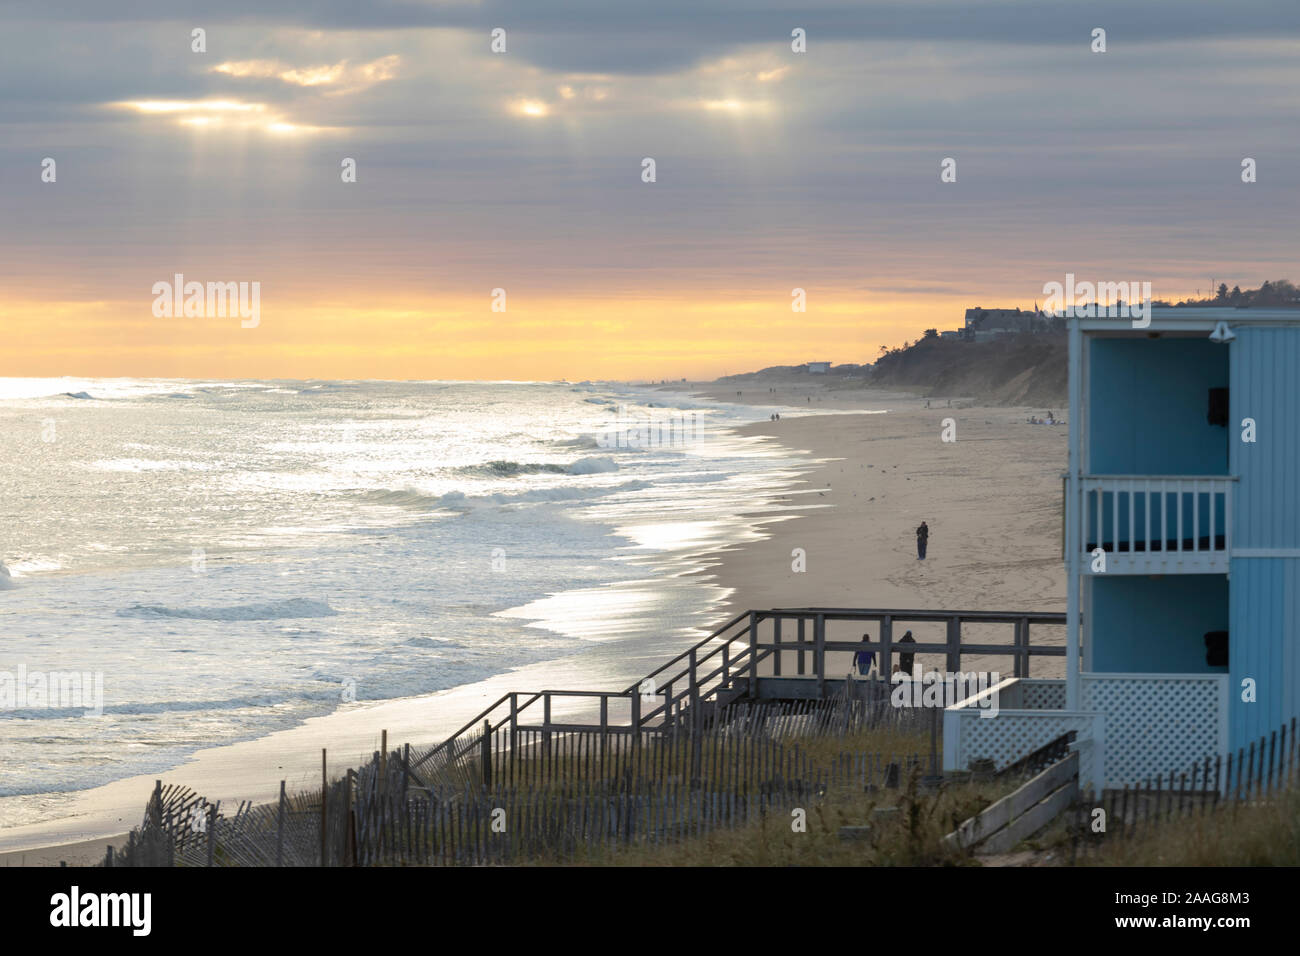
1157, 722
1038, 694
1014, 734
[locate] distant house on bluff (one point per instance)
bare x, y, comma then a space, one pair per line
986, 323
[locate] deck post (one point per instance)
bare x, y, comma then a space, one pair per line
695, 719
954, 645
776, 639
1015, 642
546, 724
886, 647
487, 753
636, 728
753, 655
604, 730
819, 635
693, 690
1022, 646
800, 663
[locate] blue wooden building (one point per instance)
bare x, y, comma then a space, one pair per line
1182, 548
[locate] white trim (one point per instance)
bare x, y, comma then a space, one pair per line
1137, 476
1165, 319
1087, 610
971, 700
1085, 405
1072, 521
1126, 564
1155, 675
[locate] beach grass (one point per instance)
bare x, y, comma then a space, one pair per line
1262, 832
902, 827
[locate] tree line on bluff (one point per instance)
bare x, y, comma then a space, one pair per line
1026, 369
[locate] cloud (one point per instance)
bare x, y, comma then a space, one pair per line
308, 76
339, 77
533, 108
669, 35
773, 168
230, 114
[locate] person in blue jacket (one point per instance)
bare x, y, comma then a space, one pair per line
864, 660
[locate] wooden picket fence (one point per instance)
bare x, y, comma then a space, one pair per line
580, 795
1255, 772
545, 796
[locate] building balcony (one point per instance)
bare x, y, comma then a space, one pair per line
1155, 524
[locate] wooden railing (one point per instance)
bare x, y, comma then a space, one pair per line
886, 645
1165, 518
726, 665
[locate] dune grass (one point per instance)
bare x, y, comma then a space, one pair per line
904, 828
1263, 832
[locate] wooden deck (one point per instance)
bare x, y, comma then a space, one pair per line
780, 654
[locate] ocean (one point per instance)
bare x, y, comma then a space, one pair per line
231, 558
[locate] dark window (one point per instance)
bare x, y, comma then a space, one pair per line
1216, 649
1218, 413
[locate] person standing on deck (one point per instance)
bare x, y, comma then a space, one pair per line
922, 538
864, 660
906, 660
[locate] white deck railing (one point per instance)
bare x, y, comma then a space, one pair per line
1130, 727
1157, 523
1016, 729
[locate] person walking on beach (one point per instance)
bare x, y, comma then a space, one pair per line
922, 539
864, 661
907, 660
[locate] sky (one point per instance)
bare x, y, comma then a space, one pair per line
522, 170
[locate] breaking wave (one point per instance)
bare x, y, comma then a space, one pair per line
459, 501
512, 469
293, 607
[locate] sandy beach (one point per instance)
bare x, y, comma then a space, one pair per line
991, 499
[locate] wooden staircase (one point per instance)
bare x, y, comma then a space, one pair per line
746, 658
